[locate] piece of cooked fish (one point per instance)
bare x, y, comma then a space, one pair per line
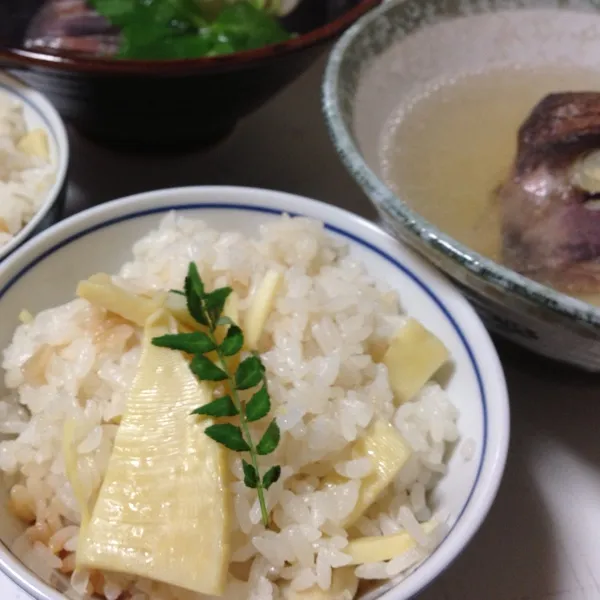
551, 201
72, 25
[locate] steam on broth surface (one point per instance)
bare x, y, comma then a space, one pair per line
446, 151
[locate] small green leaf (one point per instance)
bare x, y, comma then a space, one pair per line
194, 292
233, 342
195, 281
270, 439
259, 405
206, 370
250, 475
177, 292
215, 302
114, 10
221, 407
257, 356
229, 436
192, 343
225, 321
194, 306
249, 373
271, 476
246, 27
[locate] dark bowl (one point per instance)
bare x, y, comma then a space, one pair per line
174, 104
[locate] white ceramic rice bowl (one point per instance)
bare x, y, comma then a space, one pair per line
38, 112
45, 271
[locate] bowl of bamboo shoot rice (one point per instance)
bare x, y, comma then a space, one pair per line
236, 393
33, 163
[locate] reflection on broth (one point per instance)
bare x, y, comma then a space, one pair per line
447, 152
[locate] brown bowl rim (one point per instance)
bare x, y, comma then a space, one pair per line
18, 57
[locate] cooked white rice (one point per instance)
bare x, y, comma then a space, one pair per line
76, 361
24, 178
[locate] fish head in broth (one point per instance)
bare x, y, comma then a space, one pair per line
550, 202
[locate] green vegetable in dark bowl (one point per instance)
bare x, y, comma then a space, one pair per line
67, 50
171, 29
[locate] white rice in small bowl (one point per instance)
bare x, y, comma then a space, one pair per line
33, 163
346, 290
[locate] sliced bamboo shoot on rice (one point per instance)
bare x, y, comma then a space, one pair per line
70, 456
344, 585
101, 291
413, 357
260, 307
231, 310
386, 547
25, 317
163, 511
388, 452
35, 143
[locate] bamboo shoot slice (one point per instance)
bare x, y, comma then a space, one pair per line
231, 310
388, 452
413, 357
163, 511
35, 143
71, 468
260, 307
344, 585
386, 547
25, 317
100, 290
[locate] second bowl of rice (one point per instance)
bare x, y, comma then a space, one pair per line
34, 158
386, 392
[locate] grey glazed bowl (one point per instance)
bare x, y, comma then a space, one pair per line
395, 49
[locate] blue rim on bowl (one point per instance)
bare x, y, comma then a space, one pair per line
367, 38
455, 310
51, 208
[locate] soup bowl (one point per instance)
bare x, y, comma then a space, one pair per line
388, 56
169, 105
101, 239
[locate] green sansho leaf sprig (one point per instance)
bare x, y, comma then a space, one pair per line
207, 309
